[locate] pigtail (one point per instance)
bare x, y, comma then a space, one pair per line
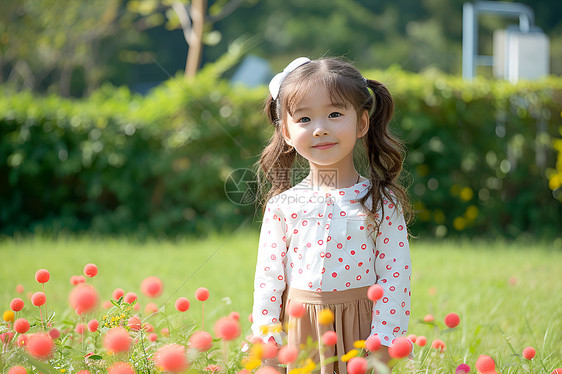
274, 165
385, 154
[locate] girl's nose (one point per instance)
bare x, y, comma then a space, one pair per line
320, 130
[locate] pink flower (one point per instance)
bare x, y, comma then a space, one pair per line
77, 279
485, 364
412, 338
134, 323
17, 370
151, 308
438, 344
118, 293
452, 320
54, 333
227, 328
42, 276
288, 354
266, 370
330, 338
16, 304
21, 326
40, 346
357, 365
270, 349
148, 327
400, 348
529, 353
80, 329
235, 315
375, 292
93, 325
202, 294
182, 304
6, 337
201, 340
22, 340
20, 288
130, 297
38, 298
120, 368
117, 340
152, 337
212, 368
373, 343
152, 286
462, 369
428, 318
421, 341
90, 270
83, 298
296, 309
171, 358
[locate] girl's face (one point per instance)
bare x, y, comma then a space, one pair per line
323, 132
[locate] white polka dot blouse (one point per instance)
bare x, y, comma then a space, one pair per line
321, 241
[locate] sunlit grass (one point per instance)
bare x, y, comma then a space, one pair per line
508, 296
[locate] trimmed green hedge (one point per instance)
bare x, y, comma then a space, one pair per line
120, 163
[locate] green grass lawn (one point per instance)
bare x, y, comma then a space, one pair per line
508, 296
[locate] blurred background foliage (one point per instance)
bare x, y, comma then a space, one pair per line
71, 47
480, 156
484, 157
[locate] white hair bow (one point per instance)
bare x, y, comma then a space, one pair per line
275, 83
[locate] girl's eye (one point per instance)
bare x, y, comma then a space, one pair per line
335, 115
304, 120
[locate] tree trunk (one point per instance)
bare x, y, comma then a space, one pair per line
64, 82
198, 11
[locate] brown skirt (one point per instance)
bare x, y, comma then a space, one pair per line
352, 321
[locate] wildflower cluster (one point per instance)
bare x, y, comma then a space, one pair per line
115, 336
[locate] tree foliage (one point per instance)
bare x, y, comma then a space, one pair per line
121, 163
70, 47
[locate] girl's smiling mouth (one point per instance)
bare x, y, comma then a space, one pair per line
323, 146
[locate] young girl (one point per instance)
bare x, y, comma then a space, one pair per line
324, 241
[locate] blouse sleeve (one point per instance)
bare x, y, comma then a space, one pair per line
393, 267
269, 282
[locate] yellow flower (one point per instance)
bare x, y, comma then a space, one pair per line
295, 371
466, 194
8, 316
62, 370
349, 355
325, 317
256, 351
252, 364
471, 213
264, 329
459, 223
359, 344
276, 328
309, 366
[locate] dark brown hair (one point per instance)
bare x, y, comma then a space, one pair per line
346, 86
